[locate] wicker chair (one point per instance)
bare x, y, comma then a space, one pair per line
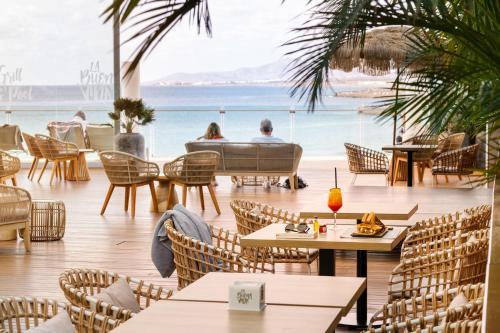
437, 271
34, 151
409, 315
449, 143
248, 222
101, 136
458, 162
15, 211
80, 285
428, 233
193, 170
366, 161
129, 171
19, 314
10, 138
69, 132
422, 159
193, 258
9, 166
424, 305
57, 152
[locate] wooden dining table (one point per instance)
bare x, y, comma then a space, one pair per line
355, 210
281, 289
409, 150
192, 316
338, 238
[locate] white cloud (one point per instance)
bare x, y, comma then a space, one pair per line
53, 40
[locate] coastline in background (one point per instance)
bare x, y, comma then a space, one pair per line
184, 112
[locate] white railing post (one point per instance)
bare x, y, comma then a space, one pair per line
291, 113
8, 115
222, 112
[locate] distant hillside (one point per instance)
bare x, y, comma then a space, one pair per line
272, 73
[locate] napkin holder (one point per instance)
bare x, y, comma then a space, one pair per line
247, 296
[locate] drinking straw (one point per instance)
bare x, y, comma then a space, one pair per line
335, 177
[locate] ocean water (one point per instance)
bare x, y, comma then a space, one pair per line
183, 114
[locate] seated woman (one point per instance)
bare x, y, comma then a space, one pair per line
213, 133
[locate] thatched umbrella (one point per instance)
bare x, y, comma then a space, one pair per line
384, 49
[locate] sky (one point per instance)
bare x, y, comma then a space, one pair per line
58, 42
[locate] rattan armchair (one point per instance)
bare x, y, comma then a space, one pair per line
19, 314
429, 311
9, 166
363, 160
195, 169
193, 258
449, 143
34, 151
427, 304
248, 221
130, 172
80, 285
57, 152
437, 271
15, 211
458, 162
428, 233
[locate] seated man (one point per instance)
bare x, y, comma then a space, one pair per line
266, 128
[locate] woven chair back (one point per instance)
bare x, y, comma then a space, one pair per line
15, 205
365, 160
193, 258
20, 314
81, 285
9, 165
33, 148
437, 271
68, 132
54, 149
124, 169
10, 138
458, 161
433, 230
197, 168
425, 305
450, 142
252, 216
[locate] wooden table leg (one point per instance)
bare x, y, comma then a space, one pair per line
83, 170
162, 196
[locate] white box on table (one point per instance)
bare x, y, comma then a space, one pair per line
247, 296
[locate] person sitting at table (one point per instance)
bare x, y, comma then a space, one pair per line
266, 129
213, 133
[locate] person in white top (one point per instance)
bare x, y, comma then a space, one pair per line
266, 128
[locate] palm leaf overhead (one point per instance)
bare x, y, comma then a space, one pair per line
150, 20
453, 53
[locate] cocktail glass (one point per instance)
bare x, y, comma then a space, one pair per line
335, 203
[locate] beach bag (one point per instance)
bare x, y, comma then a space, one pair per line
300, 181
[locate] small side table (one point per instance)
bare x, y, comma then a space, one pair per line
48, 220
83, 169
162, 195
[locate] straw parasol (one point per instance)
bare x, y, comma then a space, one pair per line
384, 49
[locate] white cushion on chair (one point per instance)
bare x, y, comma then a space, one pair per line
60, 323
120, 294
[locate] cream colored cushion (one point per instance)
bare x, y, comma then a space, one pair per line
459, 300
60, 323
119, 294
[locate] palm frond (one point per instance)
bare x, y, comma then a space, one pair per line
151, 20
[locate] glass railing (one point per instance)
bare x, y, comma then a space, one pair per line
322, 134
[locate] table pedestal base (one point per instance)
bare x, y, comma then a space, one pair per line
162, 196
83, 170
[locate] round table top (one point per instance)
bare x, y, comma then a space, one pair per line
409, 147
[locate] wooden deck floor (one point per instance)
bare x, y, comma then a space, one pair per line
118, 243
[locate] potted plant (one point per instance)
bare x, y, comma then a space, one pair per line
131, 113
